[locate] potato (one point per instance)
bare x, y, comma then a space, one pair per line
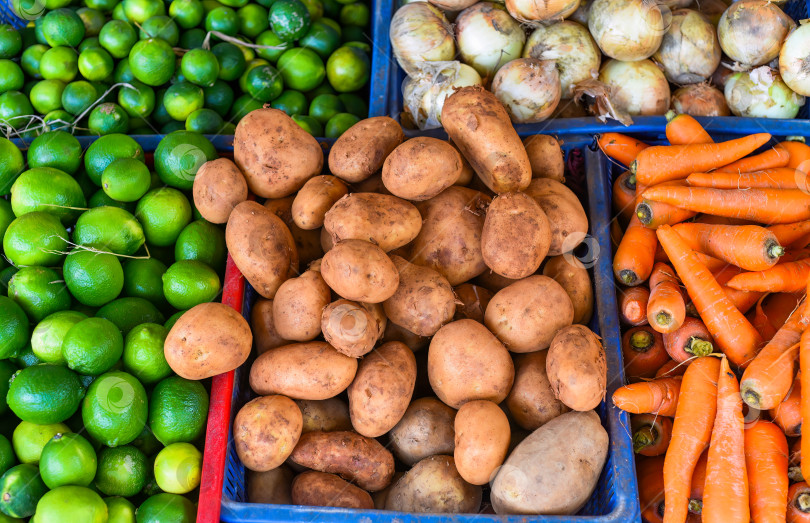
304, 371
569, 224
450, 239
482, 440
424, 300
466, 362
555, 469
532, 402
208, 339
394, 332
219, 186
276, 155
516, 235
381, 496
545, 156
298, 304
362, 149
481, 129
492, 281
526, 315
577, 368
315, 198
467, 173
308, 243
434, 486
569, 272
387, 221
359, 270
472, 302
373, 184
382, 389
281, 207
265, 335
353, 328
270, 486
265, 431
319, 489
353, 457
326, 415
326, 240
425, 429
421, 168
261, 247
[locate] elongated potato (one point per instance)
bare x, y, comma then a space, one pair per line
434, 486
387, 221
316, 197
577, 368
532, 402
421, 168
319, 489
326, 415
304, 371
308, 243
567, 218
424, 300
516, 235
480, 127
274, 153
265, 431
265, 335
545, 157
219, 186
482, 440
298, 304
270, 486
472, 302
362, 149
353, 328
569, 272
360, 271
425, 429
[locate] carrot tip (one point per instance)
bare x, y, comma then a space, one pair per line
644, 213
750, 397
795, 474
628, 277
634, 166
698, 347
695, 506
795, 139
630, 182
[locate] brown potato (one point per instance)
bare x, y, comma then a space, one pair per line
467, 173
482, 440
472, 302
315, 198
545, 156
569, 272
577, 368
208, 339
382, 389
274, 153
481, 129
434, 486
326, 240
516, 235
261, 247
308, 243
319, 489
492, 281
424, 300
394, 332
265, 431
359, 270
387, 221
532, 402
362, 149
381, 496
421, 168
353, 328
219, 186
326, 415
353, 457
304, 371
270, 486
298, 304
450, 239
425, 429
265, 335
466, 362
526, 315
373, 184
567, 218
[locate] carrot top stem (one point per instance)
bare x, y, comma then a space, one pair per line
644, 437
630, 181
699, 347
695, 506
774, 250
644, 213
670, 115
803, 502
628, 277
663, 318
750, 396
641, 341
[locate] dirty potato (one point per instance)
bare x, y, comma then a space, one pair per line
265, 431
360, 151
353, 328
567, 218
569, 272
424, 300
421, 168
434, 486
545, 157
577, 368
315, 198
384, 220
532, 402
425, 429
360, 271
219, 186
319, 489
298, 304
326, 415
472, 302
482, 440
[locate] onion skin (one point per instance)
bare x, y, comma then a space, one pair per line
541, 10
580, 16
637, 88
453, 5
420, 32
700, 100
751, 32
794, 60
627, 30
488, 37
761, 93
690, 51
528, 88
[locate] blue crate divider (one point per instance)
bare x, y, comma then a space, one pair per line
8, 16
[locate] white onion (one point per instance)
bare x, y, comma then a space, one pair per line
541, 10
627, 30
569, 45
488, 37
636, 88
711, 9
689, 52
794, 60
424, 93
528, 88
751, 31
700, 100
761, 93
420, 33
453, 5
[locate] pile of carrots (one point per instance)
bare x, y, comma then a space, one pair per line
712, 258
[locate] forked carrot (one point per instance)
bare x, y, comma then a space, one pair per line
683, 129
690, 340
633, 261
659, 396
621, 147
691, 433
772, 158
798, 509
671, 369
750, 247
766, 461
624, 195
788, 414
651, 434
799, 155
783, 277
804, 365
650, 472
789, 233
698, 486
666, 309
633, 304
777, 178
662, 163
643, 352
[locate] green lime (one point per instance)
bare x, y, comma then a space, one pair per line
315, 8
219, 97
58, 120
71, 503
163, 212
251, 64
109, 229
114, 410
160, 26
264, 83
78, 96
321, 38
152, 60
128, 313
46, 95
325, 106
100, 199
339, 124
31, 58
123, 73
95, 64
139, 11
11, 76
147, 443
178, 410
121, 471
7, 457
10, 41
89, 43
108, 118
93, 278
301, 68
228, 128
309, 124
190, 282
270, 38
63, 27
202, 241
45, 394
355, 14
12, 165
29, 439
105, 6
59, 63
126, 180
173, 319
182, 99
7, 369
138, 101
178, 157
329, 20
48, 190
204, 121
117, 37
93, 21
348, 69
6, 213
92, 346
178, 468
187, 13
353, 33
252, 20
39, 291
36, 238
242, 106
143, 279
20, 490
14, 329
119, 510
26, 358
222, 19
193, 38
143, 354
15, 109
119, 14
105, 150
67, 459
167, 508
200, 67
56, 149
289, 19
46, 340
354, 104
231, 61
5, 276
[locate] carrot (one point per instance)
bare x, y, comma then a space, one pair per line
761, 322
643, 352
666, 309
725, 499
804, 365
624, 195
788, 414
662, 163
798, 506
795, 461
711, 263
789, 233
620, 147
743, 300
722, 220
670, 369
698, 486
731, 331
766, 206
683, 129
690, 340
633, 305
651, 434
654, 214
766, 460
778, 178
799, 155
633, 261
650, 473
784, 277
774, 157
659, 396
691, 432
779, 306
750, 247
660, 255
616, 234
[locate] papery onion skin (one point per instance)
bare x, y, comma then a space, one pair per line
541, 10
700, 100
794, 60
453, 5
424, 93
571, 46
689, 51
420, 32
627, 30
637, 88
761, 93
751, 32
528, 88
488, 37
443, 87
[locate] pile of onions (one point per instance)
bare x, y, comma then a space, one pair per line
689, 51
571, 47
424, 93
794, 60
627, 30
700, 100
581, 14
541, 10
636, 88
751, 32
488, 37
528, 88
452, 5
420, 33
761, 93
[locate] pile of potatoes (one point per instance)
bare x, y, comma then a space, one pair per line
420, 331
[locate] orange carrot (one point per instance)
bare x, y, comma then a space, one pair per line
698, 486
620, 147
722, 220
654, 214
643, 352
779, 178
761, 322
743, 300
779, 306
616, 234
750, 247
711, 263
795, 462
659, 396
683, 129
624, 195
633, 261
804, 365
650, 472
772, 158
662, 163
731, 331
783, 277
690, 340
660, 255
666, 309
799, 155
633, 304
691, 432
798, 506
651, 434
788, 414
789, 233
670, 369
766, 460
